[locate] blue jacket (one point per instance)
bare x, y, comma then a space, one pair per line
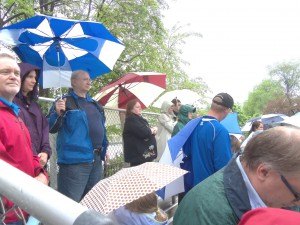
73, 144
209, 147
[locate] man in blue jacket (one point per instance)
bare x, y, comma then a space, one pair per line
81, 141
207, 150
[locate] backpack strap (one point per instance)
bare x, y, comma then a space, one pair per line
70, 105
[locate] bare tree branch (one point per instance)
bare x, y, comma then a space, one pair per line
12, 17
8, 10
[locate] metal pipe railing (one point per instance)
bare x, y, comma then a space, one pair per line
44, 203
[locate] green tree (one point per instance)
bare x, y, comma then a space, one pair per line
12, 11
263, 93
242, 117
138, 24
288, 75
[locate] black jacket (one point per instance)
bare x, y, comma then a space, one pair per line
138, 140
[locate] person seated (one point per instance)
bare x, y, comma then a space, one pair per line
143, 211
235, 144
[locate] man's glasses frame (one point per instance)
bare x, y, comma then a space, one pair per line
291, 189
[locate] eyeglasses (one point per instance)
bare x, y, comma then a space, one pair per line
289, 186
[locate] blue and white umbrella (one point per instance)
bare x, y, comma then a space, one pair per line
60, 46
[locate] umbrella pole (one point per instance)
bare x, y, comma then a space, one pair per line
59, 72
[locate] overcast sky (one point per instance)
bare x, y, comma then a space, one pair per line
240, 39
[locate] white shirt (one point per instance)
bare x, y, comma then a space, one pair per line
255, 200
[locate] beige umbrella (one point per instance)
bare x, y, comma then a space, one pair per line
130, 184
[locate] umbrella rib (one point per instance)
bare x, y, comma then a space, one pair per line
46, 35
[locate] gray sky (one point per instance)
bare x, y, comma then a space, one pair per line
240, 39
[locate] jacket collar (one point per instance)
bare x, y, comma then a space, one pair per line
88, 97
235, 189
10, 105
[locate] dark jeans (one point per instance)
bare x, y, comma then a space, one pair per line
76, 180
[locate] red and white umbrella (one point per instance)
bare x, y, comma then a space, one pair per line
144, 86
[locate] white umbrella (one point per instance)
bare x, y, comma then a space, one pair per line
185, 96
293, 120
130, 184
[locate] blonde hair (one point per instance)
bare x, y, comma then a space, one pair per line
147, 204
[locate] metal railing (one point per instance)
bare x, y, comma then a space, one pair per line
47, 205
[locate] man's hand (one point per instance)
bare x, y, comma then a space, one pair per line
154, 130
60, 106
43, 158
42, 178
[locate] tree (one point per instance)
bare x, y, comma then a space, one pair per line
242, 117
138, 24
288, 75
12, 11
266, 91
282, 105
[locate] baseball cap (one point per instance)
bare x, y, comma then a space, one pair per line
224, 99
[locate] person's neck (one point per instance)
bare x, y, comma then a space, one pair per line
24, 93
8, 98
212, 113
80, 94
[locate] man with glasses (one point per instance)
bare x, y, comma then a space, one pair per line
15, 144
265, 175
81, 140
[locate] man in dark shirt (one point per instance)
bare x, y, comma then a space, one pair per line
81, 140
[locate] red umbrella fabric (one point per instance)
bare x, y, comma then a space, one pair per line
144, 86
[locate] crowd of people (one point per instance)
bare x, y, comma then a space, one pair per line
227, 179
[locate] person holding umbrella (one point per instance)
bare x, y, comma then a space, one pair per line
81, 140
31, 112
139, 138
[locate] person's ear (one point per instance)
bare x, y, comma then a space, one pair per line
263, 171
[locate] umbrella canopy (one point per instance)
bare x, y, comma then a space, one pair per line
231, 123
60, 46
291, 121
185, 96
128, 185
144, 86
267, 120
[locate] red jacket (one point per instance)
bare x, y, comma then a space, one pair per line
15, 149
270, 216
